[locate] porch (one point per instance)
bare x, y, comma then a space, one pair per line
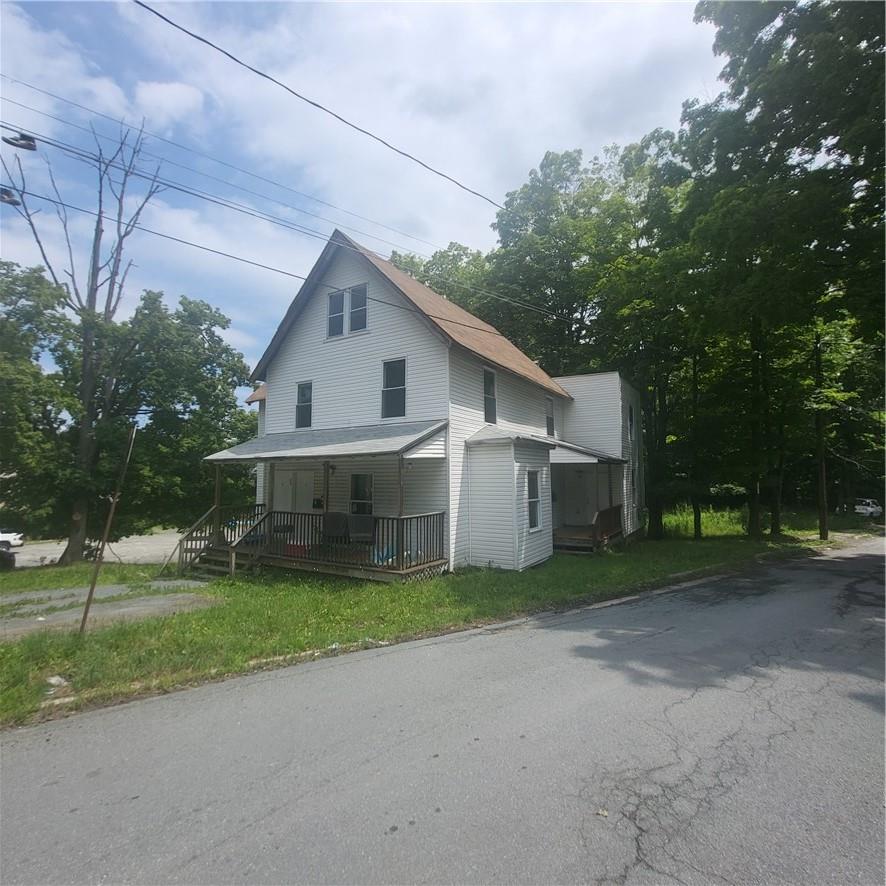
587, 488
364, 546
364, 502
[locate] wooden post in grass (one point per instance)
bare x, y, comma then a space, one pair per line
100, 554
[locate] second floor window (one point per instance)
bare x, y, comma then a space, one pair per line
393, 394
303, 405
335, 323
549, 415
489, 404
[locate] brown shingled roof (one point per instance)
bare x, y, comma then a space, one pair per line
457, 324
462, 326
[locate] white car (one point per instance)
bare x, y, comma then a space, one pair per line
10, 540
867, 507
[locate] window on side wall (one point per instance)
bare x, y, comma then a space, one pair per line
393, 393
534, 503
361, 493
335, 321
549, 415
489, 401
303, 405
357, 321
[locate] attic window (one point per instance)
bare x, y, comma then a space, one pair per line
335, 324
358, 308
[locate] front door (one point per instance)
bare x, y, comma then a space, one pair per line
303, 484
294, 491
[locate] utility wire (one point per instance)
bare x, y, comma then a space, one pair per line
262, 215
256, 264
319, 106
214, 159
163, 159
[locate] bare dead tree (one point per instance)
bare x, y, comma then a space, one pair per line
93, 298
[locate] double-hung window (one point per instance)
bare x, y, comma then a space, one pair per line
361, 493
549, 415
533, 500
489, 404
303, 404
346, 301
335, 320
393, 393
357, 320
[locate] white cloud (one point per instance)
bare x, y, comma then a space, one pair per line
481, 91
167, 103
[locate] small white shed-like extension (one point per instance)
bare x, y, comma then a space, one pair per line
510, 499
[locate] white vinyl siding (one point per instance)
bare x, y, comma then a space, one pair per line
433, 447
520, 407
594, 417
346, 370
532, 545
492, 506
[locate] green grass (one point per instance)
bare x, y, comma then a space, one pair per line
726, 522
265, 621
57, 578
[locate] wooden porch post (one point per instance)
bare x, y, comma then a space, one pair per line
400, 551
216, 503
400, 484
269, 492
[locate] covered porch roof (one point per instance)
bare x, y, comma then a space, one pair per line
567, 453
383, 439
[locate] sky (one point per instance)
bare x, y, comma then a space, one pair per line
480, 91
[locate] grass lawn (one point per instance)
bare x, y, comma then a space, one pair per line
269, 620
42, 578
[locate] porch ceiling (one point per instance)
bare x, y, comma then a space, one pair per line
386, 439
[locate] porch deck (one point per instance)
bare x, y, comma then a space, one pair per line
365, 546
605, 528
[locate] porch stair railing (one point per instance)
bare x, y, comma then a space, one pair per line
218, 526
607, 525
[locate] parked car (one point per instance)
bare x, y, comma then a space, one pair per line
10, 540
867, 507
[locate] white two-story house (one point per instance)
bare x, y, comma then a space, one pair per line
401, 435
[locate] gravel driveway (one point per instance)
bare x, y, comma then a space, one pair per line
133, 549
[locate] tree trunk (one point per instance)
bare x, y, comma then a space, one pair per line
693, 444
777, 484
657, 460
819, 446
755, 527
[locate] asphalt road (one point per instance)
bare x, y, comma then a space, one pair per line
728, 733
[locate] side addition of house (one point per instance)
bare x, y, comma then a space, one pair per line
400, 435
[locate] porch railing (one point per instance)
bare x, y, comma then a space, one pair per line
607, 524
390, 543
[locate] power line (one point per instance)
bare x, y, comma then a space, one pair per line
206, 156
164, 159
239, 258
88, 157
319, 106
